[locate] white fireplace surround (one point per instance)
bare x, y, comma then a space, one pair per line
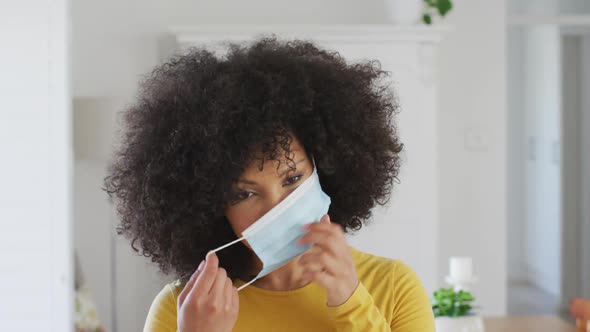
407, 227
353, 33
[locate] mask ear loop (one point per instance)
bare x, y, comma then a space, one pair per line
225, 246
247, 284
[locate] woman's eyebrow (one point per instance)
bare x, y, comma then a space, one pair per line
246, 181
289, 170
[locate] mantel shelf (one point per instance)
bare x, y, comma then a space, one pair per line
356, 33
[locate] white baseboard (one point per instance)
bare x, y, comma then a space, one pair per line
538, 278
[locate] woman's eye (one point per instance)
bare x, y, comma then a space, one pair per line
293, 179
242, 195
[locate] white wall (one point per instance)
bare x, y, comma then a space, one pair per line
534, 201
576, 7
534, 88
572, 154
473, 147
516, 154
551, 242
94, 128
117, 277
35, 170
115, 42
93, 234
585, 199
542, 93
549, 7
533, 231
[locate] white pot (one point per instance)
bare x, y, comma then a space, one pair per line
459, 324
405, 11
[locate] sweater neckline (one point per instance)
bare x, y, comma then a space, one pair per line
257, 290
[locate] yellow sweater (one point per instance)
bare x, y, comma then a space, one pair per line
389, 297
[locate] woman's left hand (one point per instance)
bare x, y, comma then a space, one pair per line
329, 262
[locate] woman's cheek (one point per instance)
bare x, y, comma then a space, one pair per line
240, 219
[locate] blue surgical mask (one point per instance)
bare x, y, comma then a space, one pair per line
273, 237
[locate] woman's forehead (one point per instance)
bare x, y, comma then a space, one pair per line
284, 159
265, 166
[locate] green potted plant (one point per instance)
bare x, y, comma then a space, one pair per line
441, 7
453, 311
411, 12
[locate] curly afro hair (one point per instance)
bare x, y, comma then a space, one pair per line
200, 118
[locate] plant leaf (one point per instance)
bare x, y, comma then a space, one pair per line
464, 309
449, 303
444, 6
465, 296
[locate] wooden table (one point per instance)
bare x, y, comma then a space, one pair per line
527, 323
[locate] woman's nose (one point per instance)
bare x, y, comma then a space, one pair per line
274, 198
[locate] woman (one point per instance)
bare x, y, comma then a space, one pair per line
212, 144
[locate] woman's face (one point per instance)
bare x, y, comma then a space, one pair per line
257, 191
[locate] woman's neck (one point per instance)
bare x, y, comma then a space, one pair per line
288, 277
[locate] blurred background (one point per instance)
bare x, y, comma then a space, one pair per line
495, 116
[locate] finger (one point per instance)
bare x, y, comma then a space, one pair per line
189, 285
319, 261
228, 293
218, 286
313, 236
327, 241
324, 220
235, 299
324, 226
313, 268
323, 279
207, 277
320, 257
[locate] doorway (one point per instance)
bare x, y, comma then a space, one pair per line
548, 163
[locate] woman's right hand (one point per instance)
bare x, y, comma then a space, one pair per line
209, 301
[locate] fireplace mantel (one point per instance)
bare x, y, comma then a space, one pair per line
352, 33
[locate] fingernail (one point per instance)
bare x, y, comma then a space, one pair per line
201, 265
